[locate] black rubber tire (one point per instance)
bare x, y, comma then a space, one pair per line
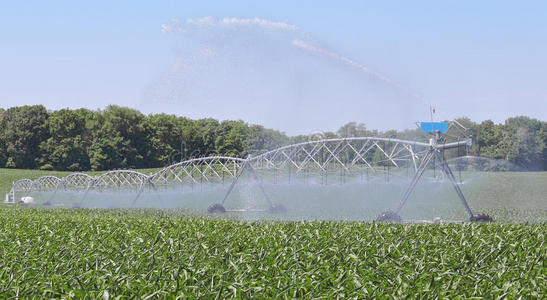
481, 217
389, 217
47, 203
278, 209
216, 208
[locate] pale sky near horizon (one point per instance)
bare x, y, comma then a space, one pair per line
295, 66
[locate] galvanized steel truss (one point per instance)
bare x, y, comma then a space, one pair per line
314, 156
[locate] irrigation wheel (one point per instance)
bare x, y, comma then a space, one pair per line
481, 217
216, 208
389, 217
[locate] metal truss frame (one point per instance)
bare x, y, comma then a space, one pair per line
312, 156
76, 181
345, 153
45, 183
199, 170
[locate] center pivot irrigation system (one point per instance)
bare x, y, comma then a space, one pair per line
355, 156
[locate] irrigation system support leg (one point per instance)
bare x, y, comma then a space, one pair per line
50, 199
393, 216
415, 179
87, 191
257, 180
448, 172
141, 190
219, 207
480, 217
434, 153
233, 184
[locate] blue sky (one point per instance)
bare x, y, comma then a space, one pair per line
481, 59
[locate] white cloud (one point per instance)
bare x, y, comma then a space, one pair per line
181, 26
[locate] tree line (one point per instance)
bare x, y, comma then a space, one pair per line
32, 137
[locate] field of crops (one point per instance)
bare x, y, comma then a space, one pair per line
100, 253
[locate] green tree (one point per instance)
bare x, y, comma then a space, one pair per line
260, 139
352, 129
166, 137
120, 142
231, 138
523, 142
68, 142
24, 128
203, 138
488, 139
543, 135
120, 137
3, 148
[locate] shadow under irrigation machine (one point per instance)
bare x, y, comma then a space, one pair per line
320, 154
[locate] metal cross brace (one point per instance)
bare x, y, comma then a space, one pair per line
439, 154
247, 166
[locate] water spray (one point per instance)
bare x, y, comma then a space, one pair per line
219, 207
295, 36
333, 55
